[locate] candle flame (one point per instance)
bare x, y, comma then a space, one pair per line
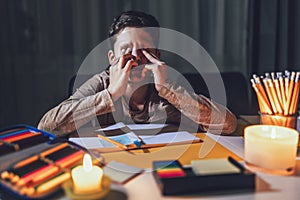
273, 134
87, 163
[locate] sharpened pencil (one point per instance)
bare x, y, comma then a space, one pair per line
121, 146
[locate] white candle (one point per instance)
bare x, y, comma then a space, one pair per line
273, 148
87, 178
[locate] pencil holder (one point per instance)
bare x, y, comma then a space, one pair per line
279, 120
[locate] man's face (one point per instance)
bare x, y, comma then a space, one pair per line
132, 41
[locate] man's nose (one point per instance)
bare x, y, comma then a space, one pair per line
137, 53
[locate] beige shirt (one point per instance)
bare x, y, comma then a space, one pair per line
172, 104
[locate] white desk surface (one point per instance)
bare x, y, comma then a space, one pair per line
268, 186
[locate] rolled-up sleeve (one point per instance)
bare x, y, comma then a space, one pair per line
210, 116
90, 100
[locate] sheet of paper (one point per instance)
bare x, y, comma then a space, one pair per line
125, 139
92, 142
131, 138
235, 144
170, 137
118, 125
146, 126
213, 166
120, 172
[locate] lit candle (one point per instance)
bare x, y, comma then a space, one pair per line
87, 178
271, 148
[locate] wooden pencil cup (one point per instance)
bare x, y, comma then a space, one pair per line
279, 120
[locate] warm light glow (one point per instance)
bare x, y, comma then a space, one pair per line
271, 148
87, 162
87, 178
273, 133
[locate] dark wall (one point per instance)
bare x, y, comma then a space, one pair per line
43, 43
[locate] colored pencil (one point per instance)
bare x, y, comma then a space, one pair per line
121, 146
279, 93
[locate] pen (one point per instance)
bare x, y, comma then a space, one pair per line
238, 165
138, 143
121, 146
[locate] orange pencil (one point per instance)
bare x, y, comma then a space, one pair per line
295, 95
54, 149
70, 160
121, 146
41, 177
261, 108
261, 89
51, 184
264, 108
262, 102
18, 135
274, 95
278, 91
289, 96
283, 96
270, 96
28, 178
21, 137
26, 162
287, 83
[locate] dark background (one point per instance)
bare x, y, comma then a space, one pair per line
43, 42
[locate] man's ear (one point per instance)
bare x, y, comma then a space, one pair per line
111, 56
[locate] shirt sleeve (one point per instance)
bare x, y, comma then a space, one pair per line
90, 100
210, 116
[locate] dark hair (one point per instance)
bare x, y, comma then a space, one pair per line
136, 19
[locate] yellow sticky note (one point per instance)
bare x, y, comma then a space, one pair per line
213, 166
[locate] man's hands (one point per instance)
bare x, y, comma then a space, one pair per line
119, 73
158, 68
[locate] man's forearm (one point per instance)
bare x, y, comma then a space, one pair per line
211, 116
73, 113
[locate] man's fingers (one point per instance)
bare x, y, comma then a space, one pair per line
144, 72
126, 58
122, 60
129, 65
152, 58
118, 62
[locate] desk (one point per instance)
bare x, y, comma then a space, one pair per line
144, 186
268, 186
184, 153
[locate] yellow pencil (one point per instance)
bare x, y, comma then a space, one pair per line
121, 146
295, 95
275, 97
277, 87
290, 93
272, 101
262, 91
262, 102
49, 185
283, 96
286, 83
